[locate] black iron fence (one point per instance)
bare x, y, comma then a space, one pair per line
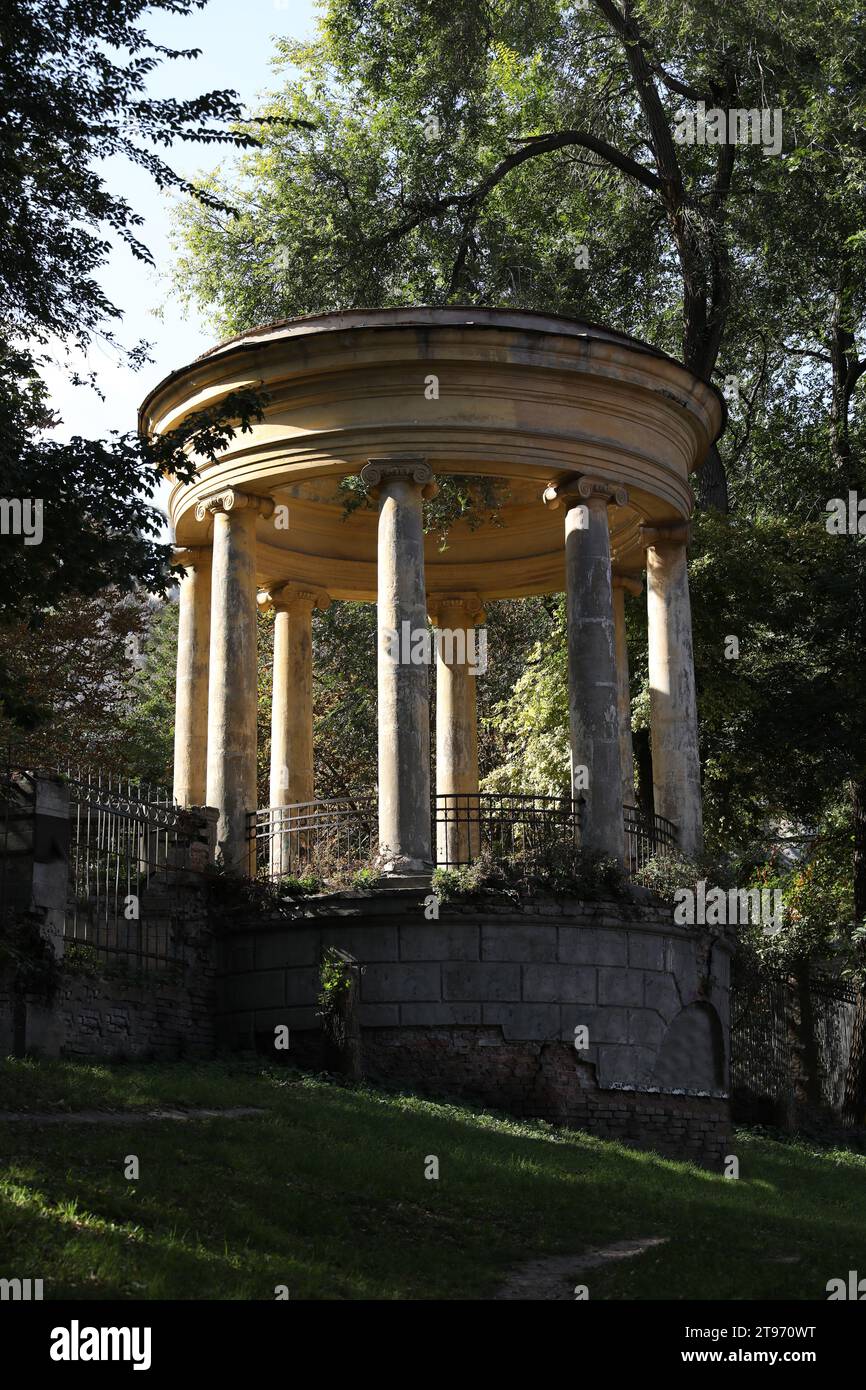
126, 852
646, 836
125, 849
332, 838
100, 781
513, 827
790, 1041
322, 838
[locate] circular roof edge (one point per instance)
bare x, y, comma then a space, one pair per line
432, 316
427, 316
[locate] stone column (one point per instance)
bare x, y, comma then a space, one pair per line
233, 676
592, 676
292, 779
399, 483
673, 707
193, 641
623, 584
459, 657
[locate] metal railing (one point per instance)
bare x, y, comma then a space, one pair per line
123, 870
126, 855
506, 826
321, 838
99, 781
646, 837
330, 839
777, 1022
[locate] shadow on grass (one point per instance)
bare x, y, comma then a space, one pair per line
327, 1194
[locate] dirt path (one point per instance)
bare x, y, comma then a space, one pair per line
123, 1117
553, 1279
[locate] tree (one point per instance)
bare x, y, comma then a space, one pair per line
77, 674
72, 92
465, 153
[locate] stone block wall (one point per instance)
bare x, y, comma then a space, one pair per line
484, 1003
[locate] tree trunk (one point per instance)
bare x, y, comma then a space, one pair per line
711, 483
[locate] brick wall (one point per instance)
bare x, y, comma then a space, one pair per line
115, 1008
165, 1012
547, 1081
484, 1002
481, 1004
148, 1018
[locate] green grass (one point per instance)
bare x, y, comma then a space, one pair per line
50, 1085
326, 1193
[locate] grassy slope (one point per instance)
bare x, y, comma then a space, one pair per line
326, 1193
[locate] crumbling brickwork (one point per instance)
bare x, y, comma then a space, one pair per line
151, 1018
547, 1081
483, 1004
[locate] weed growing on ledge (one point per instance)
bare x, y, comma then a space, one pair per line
669, 873
555, 868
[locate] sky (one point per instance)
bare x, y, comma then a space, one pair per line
237, 42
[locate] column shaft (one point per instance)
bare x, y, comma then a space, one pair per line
623, 700
403, 701
191, 688
592, 675
292, 778
292, 705
457, 833
233, 686
673, 707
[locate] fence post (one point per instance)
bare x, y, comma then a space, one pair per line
50, 872
192, 840
807, 1078
207, 836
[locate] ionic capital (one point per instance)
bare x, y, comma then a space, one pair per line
455, 610
230, 500
670, 533
630, 583
409, 468
192, 557
583, 490
294, 593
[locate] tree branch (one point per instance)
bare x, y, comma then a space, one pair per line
532, 148
682, 89
558, 140
807, 352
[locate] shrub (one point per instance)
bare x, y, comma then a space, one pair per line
292, 887
365, 880
28, 957
558, 867
666, 873
462, 881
